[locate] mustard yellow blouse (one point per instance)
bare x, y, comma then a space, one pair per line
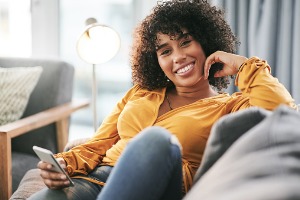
190, 123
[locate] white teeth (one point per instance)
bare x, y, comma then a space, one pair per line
186, 68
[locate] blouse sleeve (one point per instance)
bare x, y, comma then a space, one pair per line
84, 158
260, 88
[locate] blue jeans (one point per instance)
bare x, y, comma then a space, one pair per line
150, 169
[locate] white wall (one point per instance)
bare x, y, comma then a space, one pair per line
45, 28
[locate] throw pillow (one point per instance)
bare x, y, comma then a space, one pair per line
225, 132
16, 86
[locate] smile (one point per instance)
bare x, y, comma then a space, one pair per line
185, 69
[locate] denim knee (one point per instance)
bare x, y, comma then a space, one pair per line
158, 135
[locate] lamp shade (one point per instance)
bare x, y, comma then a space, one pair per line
98, 44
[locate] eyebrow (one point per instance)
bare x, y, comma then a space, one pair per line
165, 44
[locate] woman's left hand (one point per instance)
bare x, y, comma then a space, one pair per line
231, 62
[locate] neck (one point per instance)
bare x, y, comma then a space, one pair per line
203, 90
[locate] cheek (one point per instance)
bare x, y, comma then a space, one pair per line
164, 65
201, 57
201, 53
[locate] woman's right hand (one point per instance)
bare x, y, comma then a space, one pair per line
231, 63
52, 179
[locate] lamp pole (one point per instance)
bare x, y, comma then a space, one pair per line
96, 45
94, 88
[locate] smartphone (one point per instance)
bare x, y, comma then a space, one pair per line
47, 156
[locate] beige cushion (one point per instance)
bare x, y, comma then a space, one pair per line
31, 183
16, 86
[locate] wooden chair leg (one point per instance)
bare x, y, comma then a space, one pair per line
62, 133
5, 166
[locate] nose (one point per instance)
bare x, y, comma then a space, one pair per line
179, 56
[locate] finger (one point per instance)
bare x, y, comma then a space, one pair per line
53, 175
44, 165
52, 184
54, 180
62, 162
206, 70
209, 61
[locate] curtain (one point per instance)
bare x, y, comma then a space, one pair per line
269, 29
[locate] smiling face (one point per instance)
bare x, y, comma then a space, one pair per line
181, 58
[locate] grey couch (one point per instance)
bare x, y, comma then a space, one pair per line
44, 122
251, 154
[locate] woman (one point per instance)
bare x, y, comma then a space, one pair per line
182, 58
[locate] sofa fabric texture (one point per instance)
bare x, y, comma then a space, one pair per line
30, 183
54, 87
262, 164
226, 131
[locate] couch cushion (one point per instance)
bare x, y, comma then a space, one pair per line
21, 163
32, 182
263, 164
226, 131
16, 85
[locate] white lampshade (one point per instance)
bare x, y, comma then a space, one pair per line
98, 44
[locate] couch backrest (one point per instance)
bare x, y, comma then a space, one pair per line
54, 87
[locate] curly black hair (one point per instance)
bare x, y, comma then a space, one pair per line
205, 23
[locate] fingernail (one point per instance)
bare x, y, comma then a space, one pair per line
67, 183
63, 177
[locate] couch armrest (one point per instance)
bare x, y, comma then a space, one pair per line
59, 115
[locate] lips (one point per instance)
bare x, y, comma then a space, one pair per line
185, 69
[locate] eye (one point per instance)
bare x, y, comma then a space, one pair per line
185, 43
165, 52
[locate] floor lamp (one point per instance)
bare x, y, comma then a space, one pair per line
96, 45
